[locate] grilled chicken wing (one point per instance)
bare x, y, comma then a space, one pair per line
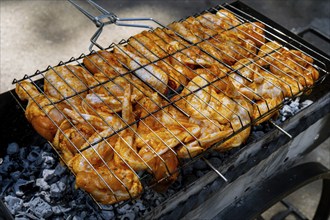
44, 116
105, 62
228, 19
143, 44
296, 64
159, 134
265, 90
150, 74
70, 138
110, 184
126, 146
253, 31
239, 120
210, 110
64, 82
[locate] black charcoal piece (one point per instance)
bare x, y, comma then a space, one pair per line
13, 203
23, 151
128, 216
44, 195
4, 185
15, 175
124, 209
60, 209
25, 164
7, 165
199, 173
57, 189
25, 215
108, 214
216, 162
40, 208
59, 170
47, 174
200, 165
12, 148
48, 162
33, 155
42, 184
22, 186
138, 206
187, 170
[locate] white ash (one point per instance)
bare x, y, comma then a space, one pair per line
293, 108
14, 204
286, 112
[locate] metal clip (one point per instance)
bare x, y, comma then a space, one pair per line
107, 18
214, 169
280, 129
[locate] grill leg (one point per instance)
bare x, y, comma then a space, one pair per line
323, 209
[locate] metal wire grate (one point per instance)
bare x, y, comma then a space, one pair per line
151, 104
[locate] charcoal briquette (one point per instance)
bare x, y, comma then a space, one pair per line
21, 186
15, 175
42, 184
59, 209
22, 153
200, 165
124, 209
216, 162
57, 189
12, 148
13, 203
108, 214
40, 207
47, 174
59, 170
33, 155
128, 216
199, 173
48, 162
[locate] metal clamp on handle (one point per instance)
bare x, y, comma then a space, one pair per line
107, 18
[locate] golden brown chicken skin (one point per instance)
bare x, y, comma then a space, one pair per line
40, 111
105, 62
110, 184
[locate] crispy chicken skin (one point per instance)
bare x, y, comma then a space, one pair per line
164, 96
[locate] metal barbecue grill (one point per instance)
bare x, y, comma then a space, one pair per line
243, 159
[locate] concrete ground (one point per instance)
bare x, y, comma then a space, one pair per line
35, 34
